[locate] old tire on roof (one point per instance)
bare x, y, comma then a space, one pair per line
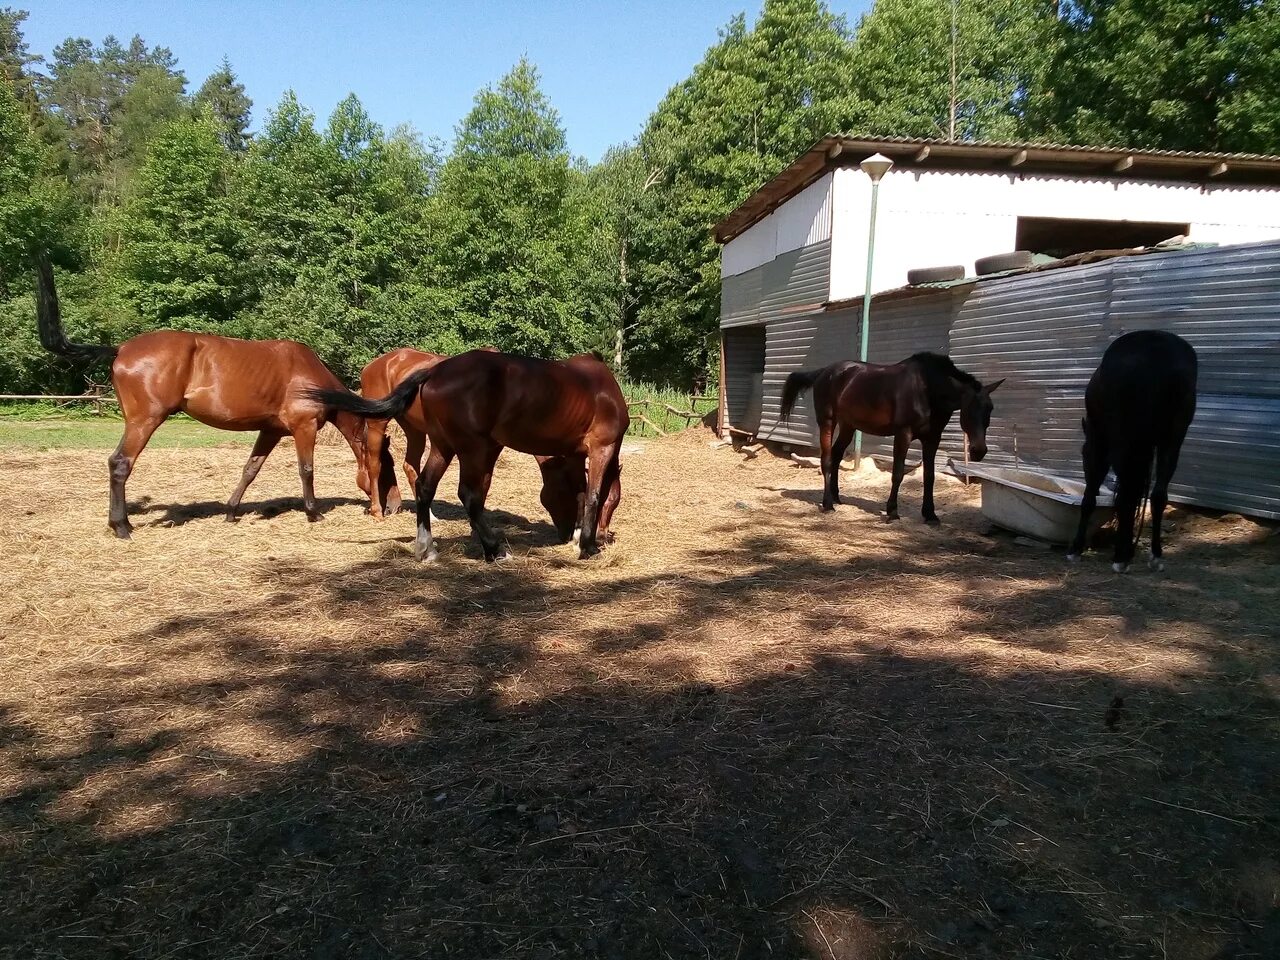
934, 274
1000, 262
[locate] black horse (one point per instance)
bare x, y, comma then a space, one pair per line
911, 400
1138, 405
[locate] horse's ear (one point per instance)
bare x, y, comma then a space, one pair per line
990, 388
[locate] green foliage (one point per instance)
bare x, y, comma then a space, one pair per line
104, 105
905, 51
508, 239
225, 100
760, 97
181, 261
162, 211
1176, 74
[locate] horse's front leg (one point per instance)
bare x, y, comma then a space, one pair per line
901, 441
929, 453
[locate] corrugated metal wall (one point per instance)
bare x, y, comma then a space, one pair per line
798, 279
1046, 333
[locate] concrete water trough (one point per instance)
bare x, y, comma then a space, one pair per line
1034, 502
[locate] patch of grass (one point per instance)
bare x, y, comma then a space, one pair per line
103, 433
656, 402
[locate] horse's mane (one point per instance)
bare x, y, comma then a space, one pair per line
940, 365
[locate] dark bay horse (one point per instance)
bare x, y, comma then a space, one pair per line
220, 381
1138, 406
911, 400
564, 482
477, 403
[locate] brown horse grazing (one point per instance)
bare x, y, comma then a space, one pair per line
563, 481
479, 402
220, 381
564, 490
911, 400
377, 379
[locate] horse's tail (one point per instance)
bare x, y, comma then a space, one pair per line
797, 383
49, 319
392, 405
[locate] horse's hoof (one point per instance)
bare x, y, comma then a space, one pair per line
313, 518
1156, 565
123, 532
586, 553
827, 508
891, 517
1073, 558
427, 556
231, 518
1120, 567
502, 557
932, 522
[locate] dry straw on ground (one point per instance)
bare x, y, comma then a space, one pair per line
747, 729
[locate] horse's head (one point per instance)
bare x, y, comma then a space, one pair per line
975, 416
561, 486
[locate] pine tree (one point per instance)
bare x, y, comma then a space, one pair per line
225, 98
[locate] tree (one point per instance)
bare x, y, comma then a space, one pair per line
759, 98
16, 62
1178, 75
225, 99
182, 258
507, 240
954, 69
106, 105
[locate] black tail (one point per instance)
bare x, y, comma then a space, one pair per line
797, 383
49, 318
392, 405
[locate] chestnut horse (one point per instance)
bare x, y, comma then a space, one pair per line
911, 400
477, 403
563, 482
379, 377
1138, 406
220, 381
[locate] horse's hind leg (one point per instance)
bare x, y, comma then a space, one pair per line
415, 442
838, 446
476, 473
1166, 464
1096, 464
262, 448
304, 438
901, 442
928, 456
438, 461
137, 431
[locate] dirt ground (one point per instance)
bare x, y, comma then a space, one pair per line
747, 730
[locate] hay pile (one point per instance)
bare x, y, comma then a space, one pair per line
745, 729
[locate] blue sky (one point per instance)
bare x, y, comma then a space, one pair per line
605, 65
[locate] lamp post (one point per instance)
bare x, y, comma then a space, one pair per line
875, 167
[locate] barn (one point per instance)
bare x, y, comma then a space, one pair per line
1117, 240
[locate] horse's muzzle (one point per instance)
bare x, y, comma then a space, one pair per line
976, 453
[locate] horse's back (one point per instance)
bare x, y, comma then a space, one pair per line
1145, 387
382, 374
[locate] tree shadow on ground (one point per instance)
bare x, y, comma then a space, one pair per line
518, 764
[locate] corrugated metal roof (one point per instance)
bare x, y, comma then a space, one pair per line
1030, 157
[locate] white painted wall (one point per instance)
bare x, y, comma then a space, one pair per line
803, 220
938, 218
